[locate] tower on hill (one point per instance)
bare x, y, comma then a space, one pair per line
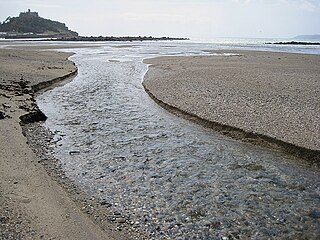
29, 13
30, 25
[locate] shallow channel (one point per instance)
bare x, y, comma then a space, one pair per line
176, 178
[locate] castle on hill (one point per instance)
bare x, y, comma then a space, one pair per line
30, 25
29, 13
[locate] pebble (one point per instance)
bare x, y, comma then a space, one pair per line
3, 220
121, 220
106, 204
74, 152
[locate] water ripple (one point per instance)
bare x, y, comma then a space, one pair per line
176, 178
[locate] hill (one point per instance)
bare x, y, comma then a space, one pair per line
30, 24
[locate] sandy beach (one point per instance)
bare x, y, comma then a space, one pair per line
256, 94
32, 204
267, 94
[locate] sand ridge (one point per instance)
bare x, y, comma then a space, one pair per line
265, 93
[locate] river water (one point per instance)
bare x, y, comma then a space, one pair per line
177, 179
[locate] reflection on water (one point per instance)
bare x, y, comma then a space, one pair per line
178, 179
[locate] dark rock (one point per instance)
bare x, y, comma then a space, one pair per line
2, 115
106, 204
23, 84
26, 91
34, 116
24, 108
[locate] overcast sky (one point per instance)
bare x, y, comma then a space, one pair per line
177, 18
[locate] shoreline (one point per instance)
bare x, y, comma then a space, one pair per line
99, 211
102, 218
296, 43
313, 156
168, 74
37, 200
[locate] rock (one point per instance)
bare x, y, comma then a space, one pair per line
24, 108
106, 204
26, 91
23, 84
121, 220
34, 116
2, 115
116, 213
74, 152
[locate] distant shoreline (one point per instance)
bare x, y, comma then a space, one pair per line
295, 43
96, 39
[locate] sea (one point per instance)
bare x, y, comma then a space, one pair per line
163, 173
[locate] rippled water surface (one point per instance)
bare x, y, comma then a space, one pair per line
178, 179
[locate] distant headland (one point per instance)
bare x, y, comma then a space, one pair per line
295, 43
30, 25
112, 38
301, 40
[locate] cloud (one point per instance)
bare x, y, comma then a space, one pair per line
304, 5
245, 2
309, 5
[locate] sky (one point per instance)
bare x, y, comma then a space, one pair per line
197, 19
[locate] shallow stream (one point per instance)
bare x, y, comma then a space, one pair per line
176, 178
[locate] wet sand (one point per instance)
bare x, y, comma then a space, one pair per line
32, 204
254, 95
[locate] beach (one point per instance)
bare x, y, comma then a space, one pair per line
34, 205
147, 191
247, 94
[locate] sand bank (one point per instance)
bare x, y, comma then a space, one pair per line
255, 94
32, 205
